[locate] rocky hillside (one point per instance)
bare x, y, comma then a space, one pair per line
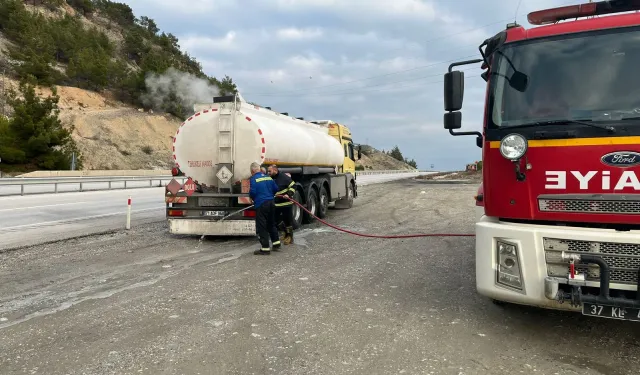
373, 159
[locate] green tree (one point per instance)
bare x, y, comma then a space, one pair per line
396, 154
227, 86
149, 25
86, 7
412, 163
34, 138
120, 13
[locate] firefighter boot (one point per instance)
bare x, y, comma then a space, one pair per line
282, 231
288, 238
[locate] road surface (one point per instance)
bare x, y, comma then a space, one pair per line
145, 302
33, 219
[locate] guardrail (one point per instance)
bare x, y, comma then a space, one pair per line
40, 185
43, 185
392, 171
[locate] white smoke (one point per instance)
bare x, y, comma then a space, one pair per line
187, 88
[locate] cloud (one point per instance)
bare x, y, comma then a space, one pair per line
227, 42
375, 65
416, 9
293, 33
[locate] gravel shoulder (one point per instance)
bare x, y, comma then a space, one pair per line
146, 302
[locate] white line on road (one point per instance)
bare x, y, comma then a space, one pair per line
43, 206
67, 221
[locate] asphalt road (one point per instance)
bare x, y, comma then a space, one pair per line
146, 302
34, 219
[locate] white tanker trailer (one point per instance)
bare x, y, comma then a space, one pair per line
215, 147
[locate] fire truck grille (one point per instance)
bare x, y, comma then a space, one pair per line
589, 206
623, 259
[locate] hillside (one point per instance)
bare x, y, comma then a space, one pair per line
122, 86
373, 159
110, 70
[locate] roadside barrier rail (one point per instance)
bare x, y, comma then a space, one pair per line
43, 185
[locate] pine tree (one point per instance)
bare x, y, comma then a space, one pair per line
396, 154
34, 138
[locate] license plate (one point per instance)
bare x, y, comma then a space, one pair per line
213, 202
611, 312
214, 213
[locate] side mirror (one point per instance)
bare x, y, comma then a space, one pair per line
453, 90
479, 141
452, 120
359, 152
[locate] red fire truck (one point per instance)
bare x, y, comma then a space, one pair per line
558, 221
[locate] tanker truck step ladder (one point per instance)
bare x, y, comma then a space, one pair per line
225, 146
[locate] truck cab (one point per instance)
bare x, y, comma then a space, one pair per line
343, 135
559, 206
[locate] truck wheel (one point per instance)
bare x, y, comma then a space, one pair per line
323, 203
312, 206
297, 211
346, 202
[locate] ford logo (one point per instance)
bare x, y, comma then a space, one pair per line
621, 159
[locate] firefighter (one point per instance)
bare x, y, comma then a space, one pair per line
284, 207
262, 190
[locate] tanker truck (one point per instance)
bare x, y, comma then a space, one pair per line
215, 147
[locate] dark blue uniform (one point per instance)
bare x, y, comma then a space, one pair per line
284, 207
262, 190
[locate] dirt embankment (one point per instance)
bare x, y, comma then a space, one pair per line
460, 175
112, 135
373, 159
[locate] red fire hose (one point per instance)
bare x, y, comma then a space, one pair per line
377, 235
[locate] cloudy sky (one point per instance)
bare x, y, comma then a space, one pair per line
374, 65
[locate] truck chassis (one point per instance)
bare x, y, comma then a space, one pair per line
202, 213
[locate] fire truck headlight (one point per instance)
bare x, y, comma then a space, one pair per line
508, 267
513, 147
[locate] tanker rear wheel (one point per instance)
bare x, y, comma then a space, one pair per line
297, 211
312, 206
323, 201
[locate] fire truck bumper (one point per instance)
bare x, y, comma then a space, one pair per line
531, 265
212, 228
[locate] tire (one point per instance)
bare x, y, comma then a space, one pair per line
323, 203
297, 211
346, 202
312, 206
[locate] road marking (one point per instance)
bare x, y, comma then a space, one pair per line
46, 205
68, 221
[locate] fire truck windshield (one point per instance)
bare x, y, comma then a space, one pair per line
590, 76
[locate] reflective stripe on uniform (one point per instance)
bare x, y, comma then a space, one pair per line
288, 188
276, 243
261, 179
287, 203
265, 249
